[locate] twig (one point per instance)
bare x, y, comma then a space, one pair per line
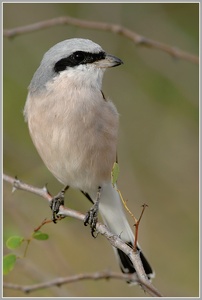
137, 222
113, 239
126, 207
114, 28
65, 280
137, 226
17, 184
42, 224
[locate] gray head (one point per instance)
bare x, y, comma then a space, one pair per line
70, 54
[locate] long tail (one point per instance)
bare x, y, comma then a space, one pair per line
112, 212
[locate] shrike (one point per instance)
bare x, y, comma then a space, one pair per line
74, 129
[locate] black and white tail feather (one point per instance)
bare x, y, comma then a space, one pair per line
112, 212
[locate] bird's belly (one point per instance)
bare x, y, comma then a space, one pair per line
79, 154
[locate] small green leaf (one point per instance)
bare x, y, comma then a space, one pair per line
14, 242
115, 173
8, 263
38, 235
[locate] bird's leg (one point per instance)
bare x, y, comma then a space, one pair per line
92, 215
56, 202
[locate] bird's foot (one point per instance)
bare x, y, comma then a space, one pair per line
56, 202
91, 216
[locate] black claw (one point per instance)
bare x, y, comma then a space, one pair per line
91, 216
86, 219
55, 205
91, 219
56, 202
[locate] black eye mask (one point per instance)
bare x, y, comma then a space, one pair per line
78, 58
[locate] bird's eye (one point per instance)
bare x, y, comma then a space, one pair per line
78, 56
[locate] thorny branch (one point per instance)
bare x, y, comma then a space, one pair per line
114, 28
113, 239
65, 280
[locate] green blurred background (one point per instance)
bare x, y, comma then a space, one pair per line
158, 100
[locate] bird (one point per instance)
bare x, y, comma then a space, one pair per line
74, 128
